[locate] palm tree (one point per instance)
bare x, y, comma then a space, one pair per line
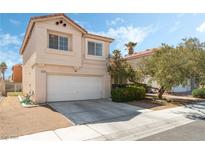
3, 68
130, 47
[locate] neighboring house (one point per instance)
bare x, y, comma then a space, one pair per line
133, 60
14, 82
17, 73
63, 62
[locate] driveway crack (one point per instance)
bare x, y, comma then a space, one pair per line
97, 132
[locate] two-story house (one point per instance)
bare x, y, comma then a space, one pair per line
63, 62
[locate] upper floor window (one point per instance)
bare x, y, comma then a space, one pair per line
94, 48
58, 42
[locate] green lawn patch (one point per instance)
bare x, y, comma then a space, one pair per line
14, 93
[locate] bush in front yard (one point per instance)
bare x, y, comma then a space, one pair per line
122, 95
127, 94
140, 93
200, 93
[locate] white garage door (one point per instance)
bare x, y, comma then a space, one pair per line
66, 88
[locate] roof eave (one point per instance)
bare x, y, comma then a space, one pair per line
26, 36
104, 38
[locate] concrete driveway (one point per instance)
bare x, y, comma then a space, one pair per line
94, 111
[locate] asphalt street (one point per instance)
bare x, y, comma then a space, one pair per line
194, 131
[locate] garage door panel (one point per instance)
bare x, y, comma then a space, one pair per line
65, 88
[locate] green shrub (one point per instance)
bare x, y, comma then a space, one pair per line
26, 100
200, 93
126, 94
139, 92
145, 86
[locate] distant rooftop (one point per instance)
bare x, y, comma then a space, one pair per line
140, 54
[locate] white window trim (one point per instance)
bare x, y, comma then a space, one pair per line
87, 56
70, 43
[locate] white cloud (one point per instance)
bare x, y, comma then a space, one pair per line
22, 34
9, 50
115, 21
201, 28
124, 34
15, 22
8, 39
11, 57
175, 27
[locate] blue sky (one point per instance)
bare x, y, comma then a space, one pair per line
149, 30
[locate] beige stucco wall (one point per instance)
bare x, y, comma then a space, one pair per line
133, 62
29, 78
50, 56
28, 71
40, 61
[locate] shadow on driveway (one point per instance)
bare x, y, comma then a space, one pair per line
96, 111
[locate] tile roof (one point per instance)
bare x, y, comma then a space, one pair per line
140, 54
57, 15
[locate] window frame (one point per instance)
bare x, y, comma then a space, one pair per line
63, 41
88, 56
69, 39
52, 46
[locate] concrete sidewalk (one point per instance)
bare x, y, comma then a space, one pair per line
140, 126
